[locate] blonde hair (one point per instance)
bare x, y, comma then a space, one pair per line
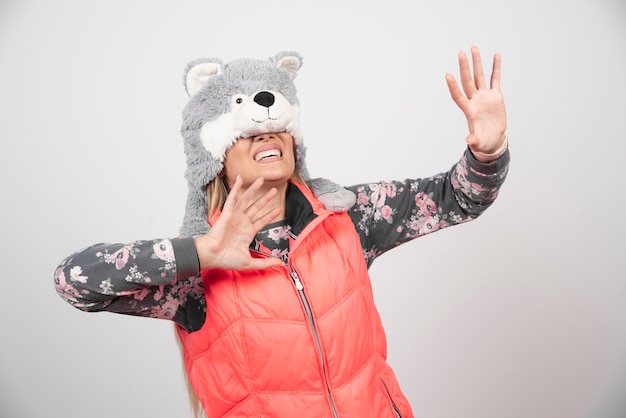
217, 192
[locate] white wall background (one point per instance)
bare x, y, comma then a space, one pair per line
521, 314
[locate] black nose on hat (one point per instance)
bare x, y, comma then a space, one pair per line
264, 98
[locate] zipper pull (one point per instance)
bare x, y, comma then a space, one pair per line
296, 280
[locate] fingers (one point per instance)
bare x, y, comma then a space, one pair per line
466, 76
231, 198
472, 83
234, 200
265, 219
495, 72
245, 202
264, 263
252, 208
479, 74
248, 205
455, 92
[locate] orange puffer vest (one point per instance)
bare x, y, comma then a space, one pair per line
302, 340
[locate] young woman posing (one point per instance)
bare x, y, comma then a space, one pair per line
273, 305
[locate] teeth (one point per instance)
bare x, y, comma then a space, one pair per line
266, 154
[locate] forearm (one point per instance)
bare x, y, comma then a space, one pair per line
148, 278
388, 214
476, 184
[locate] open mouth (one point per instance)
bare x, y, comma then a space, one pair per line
270, 153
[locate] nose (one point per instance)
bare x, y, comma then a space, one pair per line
264, 98
263, 137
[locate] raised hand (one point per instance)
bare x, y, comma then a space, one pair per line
482, 105
226, 245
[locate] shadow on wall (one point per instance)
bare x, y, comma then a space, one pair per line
610, 401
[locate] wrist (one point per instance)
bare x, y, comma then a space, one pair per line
486, 157
208, 251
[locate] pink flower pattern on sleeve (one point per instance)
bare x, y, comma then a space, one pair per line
136, 279
140, 278
387, 214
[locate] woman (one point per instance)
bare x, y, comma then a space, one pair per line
287, 326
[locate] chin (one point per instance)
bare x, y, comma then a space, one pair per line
277, 177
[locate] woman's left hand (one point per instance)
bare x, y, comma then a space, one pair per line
483, 106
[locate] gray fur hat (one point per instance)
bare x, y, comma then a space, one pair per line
239, 99
242, 98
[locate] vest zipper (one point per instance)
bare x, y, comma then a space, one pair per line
305, 302
396, 410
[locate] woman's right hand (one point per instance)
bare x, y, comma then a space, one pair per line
227, 244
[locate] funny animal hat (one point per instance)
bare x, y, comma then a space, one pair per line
240, 99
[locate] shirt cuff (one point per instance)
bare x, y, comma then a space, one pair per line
484, 157
494, 167
187, 263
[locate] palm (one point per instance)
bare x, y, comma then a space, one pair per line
486, 117
226, 245
231, 236
483, 106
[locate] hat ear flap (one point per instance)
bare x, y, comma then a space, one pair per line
199, 74
290, 64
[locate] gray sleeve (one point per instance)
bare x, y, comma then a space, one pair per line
140, 278
187, 263
387, 214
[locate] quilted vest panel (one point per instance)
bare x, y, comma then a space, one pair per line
301, 340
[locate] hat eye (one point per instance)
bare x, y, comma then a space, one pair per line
238, 99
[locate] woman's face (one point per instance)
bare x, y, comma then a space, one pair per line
270, 156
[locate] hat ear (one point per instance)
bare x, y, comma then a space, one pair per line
199, 73
289, 63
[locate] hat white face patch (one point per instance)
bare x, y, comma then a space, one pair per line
218, 135
264, 112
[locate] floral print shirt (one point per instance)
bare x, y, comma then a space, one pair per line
140, 278
275, 238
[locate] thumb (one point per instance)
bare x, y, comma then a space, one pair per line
472, 140
264, 263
